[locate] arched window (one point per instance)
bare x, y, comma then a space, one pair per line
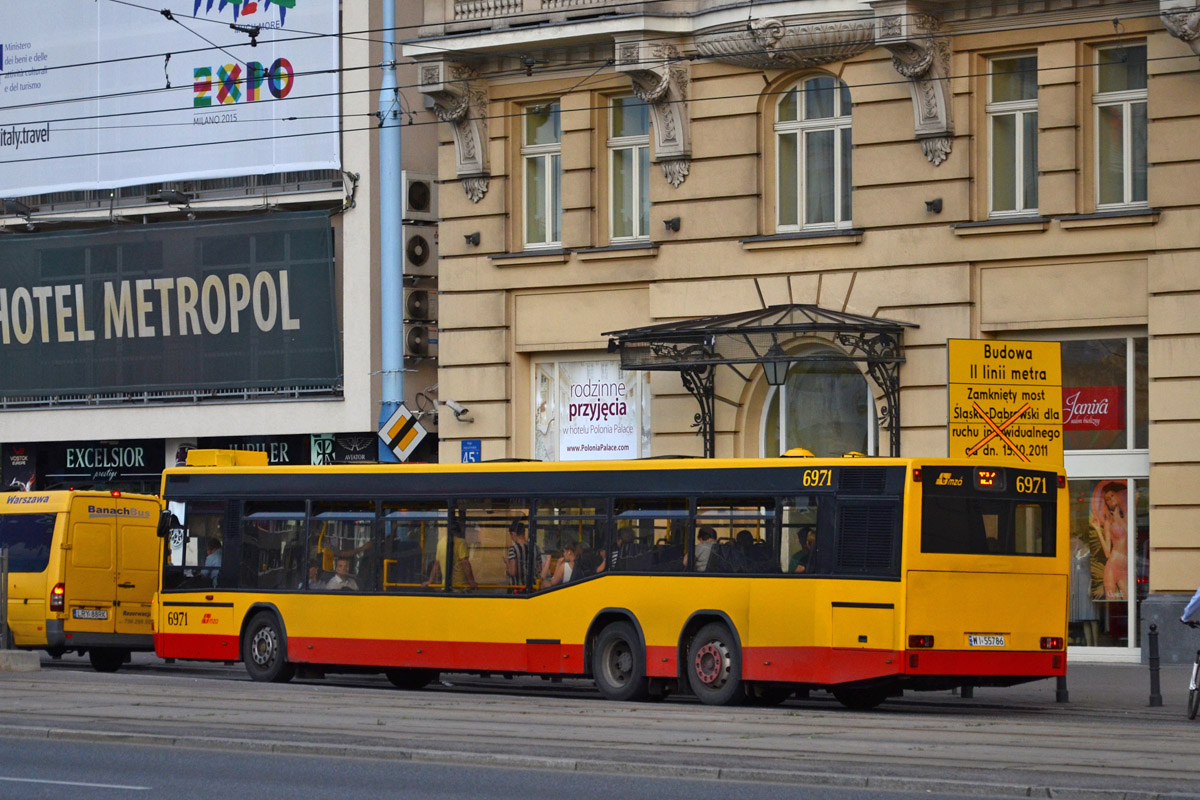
812, 140
823, 406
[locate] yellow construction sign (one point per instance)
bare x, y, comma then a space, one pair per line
1005, 400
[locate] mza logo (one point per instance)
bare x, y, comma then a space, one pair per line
209, 619
232, 86
244, 8
946, 479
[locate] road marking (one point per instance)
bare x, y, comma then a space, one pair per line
76, 783
999, 431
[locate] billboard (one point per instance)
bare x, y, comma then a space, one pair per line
170, 307
590, 410
103, 95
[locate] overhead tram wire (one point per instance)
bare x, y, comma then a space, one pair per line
343, 131
575, 66
470, 56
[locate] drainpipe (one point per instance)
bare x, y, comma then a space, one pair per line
391, 282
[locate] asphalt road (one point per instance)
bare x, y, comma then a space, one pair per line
1003, 742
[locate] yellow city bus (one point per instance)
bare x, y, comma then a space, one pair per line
734, 579
82, 571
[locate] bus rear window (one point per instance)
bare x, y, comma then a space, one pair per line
27, 538
974, 526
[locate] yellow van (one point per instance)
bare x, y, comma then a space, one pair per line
82, 571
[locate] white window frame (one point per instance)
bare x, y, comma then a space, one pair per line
802, 128
551, 154
1018, 109
637, 144
1126, 100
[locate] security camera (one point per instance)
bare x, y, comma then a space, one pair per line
461, 412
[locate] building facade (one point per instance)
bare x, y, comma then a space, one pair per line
1009, 171
203, 270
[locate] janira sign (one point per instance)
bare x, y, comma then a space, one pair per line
1093, 408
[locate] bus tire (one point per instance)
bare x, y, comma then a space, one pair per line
619, 664
714, 667
861, 698
411, 678
262, 650
106, 659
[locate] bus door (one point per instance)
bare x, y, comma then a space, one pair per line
137, 570
90, 572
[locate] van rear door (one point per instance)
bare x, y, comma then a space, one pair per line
137, 568
91, 571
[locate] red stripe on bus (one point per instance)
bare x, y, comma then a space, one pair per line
199, 646
971, 662
818, 664
450, 656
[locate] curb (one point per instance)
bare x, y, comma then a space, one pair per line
19, 661
465, 758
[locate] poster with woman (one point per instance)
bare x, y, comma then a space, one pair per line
1108, 540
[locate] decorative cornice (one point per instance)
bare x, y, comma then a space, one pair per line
465, 108
1181, 18
924, 59
660, 79
786, 43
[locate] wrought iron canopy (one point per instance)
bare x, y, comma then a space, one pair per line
696, 347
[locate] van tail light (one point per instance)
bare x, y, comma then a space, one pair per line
58, 597
1052, 643
116, 493
915, 642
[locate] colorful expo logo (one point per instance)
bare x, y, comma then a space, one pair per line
244, 8
232, 87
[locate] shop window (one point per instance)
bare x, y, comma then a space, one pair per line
1012, 112
1120, 121
813, 155
824, 406
1105, 394
541, 156
629, 169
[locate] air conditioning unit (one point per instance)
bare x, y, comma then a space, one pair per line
420, 323
420, 250
418, 192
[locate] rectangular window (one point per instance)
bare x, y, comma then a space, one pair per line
737, 536
541, 152
1120, 120
629, 168
813, 144
571, 541
1105, 394
272, 546
343, 552
974, 526
650, 535
1012, 128
27, 538
489, 526
196, 537
408, 551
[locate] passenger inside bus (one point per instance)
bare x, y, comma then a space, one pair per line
342, 579
799, 561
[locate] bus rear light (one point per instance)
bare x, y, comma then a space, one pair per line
916, 474
1062, 481
1052, 643
58, 597
924, 641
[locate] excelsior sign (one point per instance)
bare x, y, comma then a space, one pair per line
1005, 400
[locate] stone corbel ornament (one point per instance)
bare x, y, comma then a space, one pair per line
660, 80
464, 106
924, 59
1181, 18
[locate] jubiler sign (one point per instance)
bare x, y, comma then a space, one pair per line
245, 304
1005, 400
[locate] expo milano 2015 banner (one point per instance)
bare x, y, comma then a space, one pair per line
97, 95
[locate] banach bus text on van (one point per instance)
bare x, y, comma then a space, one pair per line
148, 308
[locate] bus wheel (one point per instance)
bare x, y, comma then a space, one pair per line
411, 678
262, 650
106, 659
862, 698
715, 666
618, 663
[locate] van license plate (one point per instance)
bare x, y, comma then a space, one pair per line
90, 613
985, 640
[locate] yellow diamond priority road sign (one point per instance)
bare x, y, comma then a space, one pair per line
1005, 400
402, 433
